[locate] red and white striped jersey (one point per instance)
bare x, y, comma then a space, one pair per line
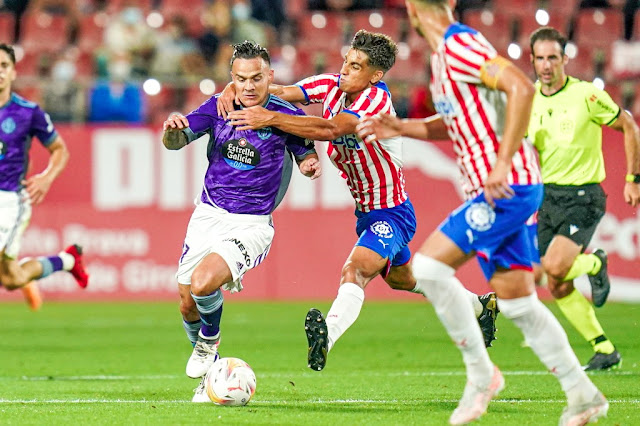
473, 113
373, 170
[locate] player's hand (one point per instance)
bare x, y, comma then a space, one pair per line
379, 126
310, 167
37, 187
175, 121
632, 194
226, 100
496, 185
255, 117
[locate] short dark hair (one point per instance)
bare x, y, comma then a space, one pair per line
10, 51
548, 34
379, 47
249, 50
442, 4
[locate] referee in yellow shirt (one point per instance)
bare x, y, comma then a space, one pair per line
566, 129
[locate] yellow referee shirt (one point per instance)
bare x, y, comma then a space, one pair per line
566, 129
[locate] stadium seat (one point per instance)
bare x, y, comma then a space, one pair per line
513, 8
583, 65
194, 97
115, 6
566, 7
7, 23
179, 5
91, 31
29, 65
635, 36
43, 32
598, 27
387, 22
527, 25
411, 68
494, 25
324, 30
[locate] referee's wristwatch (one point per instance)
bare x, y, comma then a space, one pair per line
633, 178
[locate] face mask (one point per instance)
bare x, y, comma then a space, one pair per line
241, 12
119, 70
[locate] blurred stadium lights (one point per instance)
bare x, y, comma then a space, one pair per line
514, 51
376, 20
486, 17
571, 50
598, 17
404, 51
542, 17
318, 20
19, 51
208, 86
155, 19
151, 87
599, 83
288, 53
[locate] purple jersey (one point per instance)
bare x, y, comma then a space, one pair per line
20, 121
249, 171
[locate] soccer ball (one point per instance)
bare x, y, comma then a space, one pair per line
230, 381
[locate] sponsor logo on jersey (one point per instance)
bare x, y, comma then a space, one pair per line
382, 229
240, 154
8, 125
239, 266
480, 216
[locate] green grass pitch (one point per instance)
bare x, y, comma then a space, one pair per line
123, 363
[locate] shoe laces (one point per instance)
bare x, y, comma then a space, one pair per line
204, 349
200, 387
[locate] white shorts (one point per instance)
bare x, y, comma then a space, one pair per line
242, 240
15, 213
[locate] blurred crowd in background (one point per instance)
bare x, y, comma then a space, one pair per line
136, 61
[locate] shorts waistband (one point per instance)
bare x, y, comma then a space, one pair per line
236, 217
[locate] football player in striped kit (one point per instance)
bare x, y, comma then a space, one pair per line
484, 103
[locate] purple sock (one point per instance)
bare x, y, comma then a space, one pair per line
50, 265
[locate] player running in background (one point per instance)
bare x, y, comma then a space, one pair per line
385, 216
566, 129
20, 121
231, 229
484, 103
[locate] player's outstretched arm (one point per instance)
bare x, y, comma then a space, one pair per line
626, 124
384, 126
310, 166
173, 136
228, 97
305, 126
38, 186
499, 73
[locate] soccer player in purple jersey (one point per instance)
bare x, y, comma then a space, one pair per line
231, 229
20, 121
484, 104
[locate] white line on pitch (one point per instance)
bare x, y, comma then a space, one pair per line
282, 375
316, 402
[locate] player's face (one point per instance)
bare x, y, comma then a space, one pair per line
548, 62
251, 79
356, 74
7, 71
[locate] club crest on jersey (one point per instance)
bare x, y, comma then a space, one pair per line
240, 154
264, 133
8, 125
382, 229
480, 216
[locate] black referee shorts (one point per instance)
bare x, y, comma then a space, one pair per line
572, 211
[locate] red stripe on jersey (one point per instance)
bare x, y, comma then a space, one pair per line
472, 129
381, 175
463, 60
488, 127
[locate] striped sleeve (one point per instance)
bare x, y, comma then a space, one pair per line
467, 52
370, 102
316, 87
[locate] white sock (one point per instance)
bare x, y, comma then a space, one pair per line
549, 342
437, 281
344, 311
68, 261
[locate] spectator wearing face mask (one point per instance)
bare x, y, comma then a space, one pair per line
63, 98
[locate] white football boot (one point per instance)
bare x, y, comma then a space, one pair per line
205, 353
200, 393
